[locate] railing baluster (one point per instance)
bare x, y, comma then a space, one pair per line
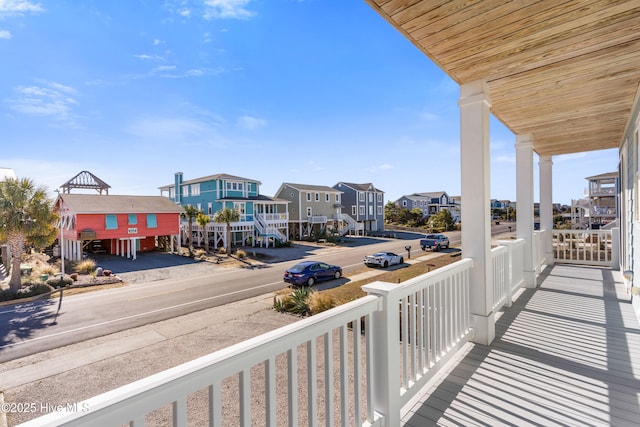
292, 371
357, 372
344, 376
244, 380
312, 378
179, 409
270, 391
368, 333
328, 378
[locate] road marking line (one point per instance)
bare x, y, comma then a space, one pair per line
133, 316
156, 295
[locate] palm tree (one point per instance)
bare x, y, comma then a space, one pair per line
190, 213
202, 221
25, 217
227, 215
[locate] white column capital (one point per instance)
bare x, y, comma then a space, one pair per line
545, 160
524, 140
473, 93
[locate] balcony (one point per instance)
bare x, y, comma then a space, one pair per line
403, 356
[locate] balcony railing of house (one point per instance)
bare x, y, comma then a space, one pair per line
590, 247
603, 211
357, 364
317, 219
603, 191
275, 217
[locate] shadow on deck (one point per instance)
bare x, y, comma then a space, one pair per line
566, 353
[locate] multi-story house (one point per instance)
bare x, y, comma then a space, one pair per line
262, 219
429, 203
312, 208
599, 206
364, 204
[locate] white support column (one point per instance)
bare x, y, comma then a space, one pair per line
524, 200
134, 249
546, 207
476, 216
128, 243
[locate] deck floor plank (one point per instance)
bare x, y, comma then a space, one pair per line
565, 354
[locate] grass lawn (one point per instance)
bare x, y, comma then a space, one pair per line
353, 290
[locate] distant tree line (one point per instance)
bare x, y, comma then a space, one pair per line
440, 221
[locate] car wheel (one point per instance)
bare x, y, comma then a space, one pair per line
310, 281
337, 275
385, 264
437, 248
401, 261
424, 248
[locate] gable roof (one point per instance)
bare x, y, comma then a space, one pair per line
360, 187
215, 177
97, 203
87, 181
608, 175
305, 187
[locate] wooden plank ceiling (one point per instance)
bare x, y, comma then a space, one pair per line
565, 71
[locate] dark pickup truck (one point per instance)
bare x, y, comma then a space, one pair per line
434, 242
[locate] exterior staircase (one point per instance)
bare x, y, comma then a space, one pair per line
266, 230
352, 226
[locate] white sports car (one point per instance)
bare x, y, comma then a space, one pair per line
383, 259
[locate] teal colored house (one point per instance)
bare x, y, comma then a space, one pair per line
263, 219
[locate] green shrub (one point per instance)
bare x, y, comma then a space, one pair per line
86, 266
296, 301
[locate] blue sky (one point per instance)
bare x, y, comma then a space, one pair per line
311, 92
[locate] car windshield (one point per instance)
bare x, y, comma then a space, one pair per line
379, 254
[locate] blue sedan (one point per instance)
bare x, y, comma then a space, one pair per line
310, 272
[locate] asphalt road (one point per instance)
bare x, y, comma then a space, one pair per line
33, 327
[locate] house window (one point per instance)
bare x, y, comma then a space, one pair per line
111, 222
361, 211
240, 186
354, 210
133, 219
370, 210
379, 197
361, 196
379, 210
152, 222
317, 197
209, 208
326, 198
404, 203
185, 190
337, 198
172, 193
370, 197
195, 189
200, 207
308, 211
308, 197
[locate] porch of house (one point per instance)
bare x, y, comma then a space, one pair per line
565, 353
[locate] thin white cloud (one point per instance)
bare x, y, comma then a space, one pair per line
251, 123
227, 9
156, 42
51, 99
5, 34
18, 7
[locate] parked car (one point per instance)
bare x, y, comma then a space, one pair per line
383, 259
434, 242
310, 272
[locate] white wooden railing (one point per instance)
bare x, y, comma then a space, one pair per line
590, 247
356, 364
507, 261
316, 219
